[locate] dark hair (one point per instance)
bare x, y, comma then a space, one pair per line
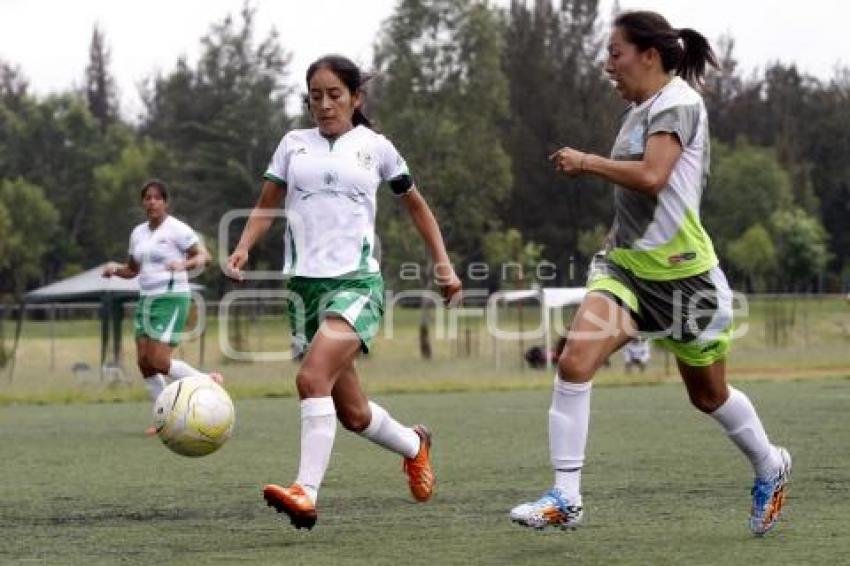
648, 29
349, 74
160, 185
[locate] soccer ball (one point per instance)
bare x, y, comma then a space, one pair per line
194, 416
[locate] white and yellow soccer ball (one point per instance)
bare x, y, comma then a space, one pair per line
194, 416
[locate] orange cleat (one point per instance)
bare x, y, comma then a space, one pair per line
150, 431
293, 501
420, 476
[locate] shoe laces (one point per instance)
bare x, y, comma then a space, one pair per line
762, 491
555, 498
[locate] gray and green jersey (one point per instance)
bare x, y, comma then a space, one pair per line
661, 237
331, 199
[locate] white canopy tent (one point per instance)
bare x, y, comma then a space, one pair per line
549, 298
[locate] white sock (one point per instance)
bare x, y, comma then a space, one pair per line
318, 428
569, 418
180, 369
154, 384
738, 418
389, 433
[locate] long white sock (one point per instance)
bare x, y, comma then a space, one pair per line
318, 429
739, 419
389, 433
180, 369
154, 384
569, 418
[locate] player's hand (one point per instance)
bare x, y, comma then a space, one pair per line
235, 262
569, 161
110, 269
450, 286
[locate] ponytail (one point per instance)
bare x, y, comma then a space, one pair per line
684, 51
697, 52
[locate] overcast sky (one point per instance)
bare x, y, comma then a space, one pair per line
49, 39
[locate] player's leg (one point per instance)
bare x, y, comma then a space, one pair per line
601, 326
732, 409
334, 346
358, 414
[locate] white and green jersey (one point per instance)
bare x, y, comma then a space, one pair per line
154, 249
661, 237
331, 188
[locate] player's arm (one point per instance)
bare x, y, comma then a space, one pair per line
259, 222
124, 270
426, 224
197, 256
649, 175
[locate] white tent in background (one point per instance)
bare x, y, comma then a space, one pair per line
548, 298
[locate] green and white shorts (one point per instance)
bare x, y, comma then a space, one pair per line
691, 317
359, 301
162, 317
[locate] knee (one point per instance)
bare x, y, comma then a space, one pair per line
309, 383
707, 401
355, 419
145, 365
576, 367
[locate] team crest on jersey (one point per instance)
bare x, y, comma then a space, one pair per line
330, 178
365, 159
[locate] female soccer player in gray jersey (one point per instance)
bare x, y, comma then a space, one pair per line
327, 177
658, 274
162, 252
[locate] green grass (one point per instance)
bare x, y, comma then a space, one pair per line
815, 341
81, 485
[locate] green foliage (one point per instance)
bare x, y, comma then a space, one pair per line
747, 184
221, 120
32, 229
591, 241
802, 247
754, 255
116, 196
558, 96
504, 251
441, 97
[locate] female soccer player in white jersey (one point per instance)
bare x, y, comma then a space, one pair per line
327, 177
162, 251
658, 274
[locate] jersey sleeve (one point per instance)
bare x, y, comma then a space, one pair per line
185, 237
276, 171
133, 241
679, 119
391, 165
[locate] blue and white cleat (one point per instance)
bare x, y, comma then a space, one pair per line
769, 497
550, 510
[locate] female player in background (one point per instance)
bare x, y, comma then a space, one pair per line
327, 178
162, 251
658, 274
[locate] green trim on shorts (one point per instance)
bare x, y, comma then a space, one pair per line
162, 317
616, 288
359, 301
698, 353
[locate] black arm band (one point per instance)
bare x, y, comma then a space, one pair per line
401, 184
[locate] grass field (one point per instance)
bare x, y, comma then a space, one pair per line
786, 339
81, 485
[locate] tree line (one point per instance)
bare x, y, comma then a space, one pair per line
475, 96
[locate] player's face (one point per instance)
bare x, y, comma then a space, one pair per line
626, 66
154, 204
331, 103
